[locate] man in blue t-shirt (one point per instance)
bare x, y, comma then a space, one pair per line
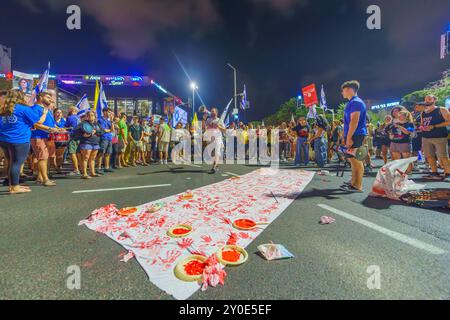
105, 140
355, 131
43, 149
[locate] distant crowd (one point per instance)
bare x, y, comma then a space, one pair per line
37, 141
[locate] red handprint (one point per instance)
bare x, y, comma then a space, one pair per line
185, 243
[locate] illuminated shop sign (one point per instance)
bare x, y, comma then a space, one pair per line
385, 105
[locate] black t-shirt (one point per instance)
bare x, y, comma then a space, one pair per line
87, 128
302, 131
397, 136
432, 119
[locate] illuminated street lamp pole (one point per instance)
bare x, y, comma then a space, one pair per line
193, 87
235, 85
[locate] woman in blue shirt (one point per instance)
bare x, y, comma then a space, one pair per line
60, 139
89, 144
16, 121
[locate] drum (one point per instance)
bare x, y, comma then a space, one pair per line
59, 137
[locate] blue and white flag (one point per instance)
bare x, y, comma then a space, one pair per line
323, 99
83, 106
41, 86
312, 114
227, 121
102, 102
244, 101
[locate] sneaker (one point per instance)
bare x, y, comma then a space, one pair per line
351, 189
108, 170
212, 171
347, 183
165, 162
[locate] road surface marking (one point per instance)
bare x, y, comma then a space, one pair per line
126, 188
193, 165
395, 235
233, 174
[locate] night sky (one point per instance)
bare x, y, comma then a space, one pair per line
278, 46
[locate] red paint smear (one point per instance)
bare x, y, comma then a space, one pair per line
194, 268
231, 255
179, 231
245, 223
232, 240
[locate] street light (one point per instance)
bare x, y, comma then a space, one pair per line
194, 87
299, 98
235, 85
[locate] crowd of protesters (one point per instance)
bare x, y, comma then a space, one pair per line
39, 140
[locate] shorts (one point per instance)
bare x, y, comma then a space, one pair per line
122, 146
384, 142
43, 149
89, 147
146, 147
74, 146
358, 141
416, 144
60, 145
137, 146
163, 146
404, 147
106, 147
369, 141
435, 147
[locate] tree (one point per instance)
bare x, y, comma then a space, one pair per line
440, 88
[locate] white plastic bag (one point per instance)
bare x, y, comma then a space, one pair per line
392, 182
274, 252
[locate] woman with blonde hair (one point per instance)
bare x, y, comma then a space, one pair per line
400, 135
16, 121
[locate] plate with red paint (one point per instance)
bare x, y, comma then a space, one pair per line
191, 268
179, 231
247, 224
232, 255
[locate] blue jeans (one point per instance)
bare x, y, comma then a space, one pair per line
302, 152
16, 154
320, 151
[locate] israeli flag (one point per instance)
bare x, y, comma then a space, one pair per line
312, 114
227, 121
83, 106
42, 85
323, 99
102, 102
244, 101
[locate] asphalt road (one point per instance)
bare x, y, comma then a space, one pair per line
40, 238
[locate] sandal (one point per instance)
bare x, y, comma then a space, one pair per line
21, 190
49, 183
86, 177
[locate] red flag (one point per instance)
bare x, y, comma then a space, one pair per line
310, 95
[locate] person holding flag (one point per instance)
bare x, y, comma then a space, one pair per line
41, 86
